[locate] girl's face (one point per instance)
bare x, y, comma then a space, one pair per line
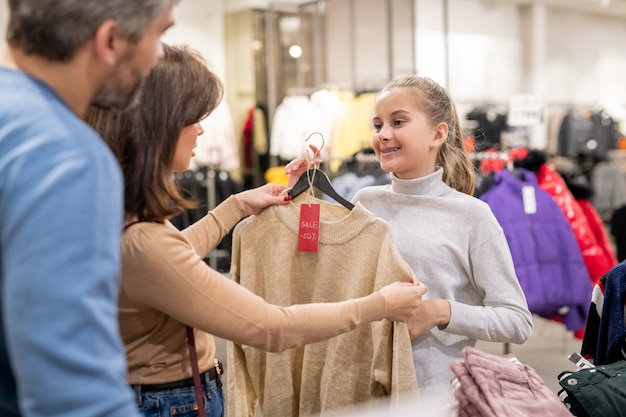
404, 141
184, 148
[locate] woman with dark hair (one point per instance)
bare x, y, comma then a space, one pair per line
166, 285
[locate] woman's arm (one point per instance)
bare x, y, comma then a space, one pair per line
162, 271
208, 232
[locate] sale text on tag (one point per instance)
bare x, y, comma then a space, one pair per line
308, 232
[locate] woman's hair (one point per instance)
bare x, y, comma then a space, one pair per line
437, 105
179, 91
56, 29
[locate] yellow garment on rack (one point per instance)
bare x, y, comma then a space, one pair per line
260, 139
276, 175
353, 129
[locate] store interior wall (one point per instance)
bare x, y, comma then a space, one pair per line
368, 42
483, 51
200, 24
497, 50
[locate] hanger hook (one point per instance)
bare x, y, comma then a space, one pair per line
319, 150
311, 160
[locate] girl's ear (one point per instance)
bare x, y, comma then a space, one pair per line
441, 134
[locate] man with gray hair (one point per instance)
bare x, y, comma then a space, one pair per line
61, 201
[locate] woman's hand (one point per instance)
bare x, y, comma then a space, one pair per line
300, 165
402, 299
255, 200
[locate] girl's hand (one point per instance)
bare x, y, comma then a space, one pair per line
430, 313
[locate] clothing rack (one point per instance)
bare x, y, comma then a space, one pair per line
211, 199
301, 91
482, 155
209, 185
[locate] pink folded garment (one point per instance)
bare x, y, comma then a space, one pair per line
471, 402
501, 386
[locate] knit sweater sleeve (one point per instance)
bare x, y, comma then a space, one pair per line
207, 232
503, 315
162, 270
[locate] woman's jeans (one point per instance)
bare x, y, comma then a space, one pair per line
181, 402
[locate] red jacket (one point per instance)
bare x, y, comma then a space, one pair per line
597, 260
597, 226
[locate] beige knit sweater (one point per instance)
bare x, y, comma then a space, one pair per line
167, 285
356, 256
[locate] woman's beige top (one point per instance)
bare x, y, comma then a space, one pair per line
166, 285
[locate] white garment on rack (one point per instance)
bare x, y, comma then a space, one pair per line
217, 146
327, 105
294, 120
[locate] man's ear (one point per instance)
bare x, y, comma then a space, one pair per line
107, 42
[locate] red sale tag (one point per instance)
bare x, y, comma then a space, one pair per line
308, 233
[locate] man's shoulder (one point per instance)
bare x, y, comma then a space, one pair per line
30, 99
40, 134
34, 119
19, 89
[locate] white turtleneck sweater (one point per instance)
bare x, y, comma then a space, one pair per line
455, 246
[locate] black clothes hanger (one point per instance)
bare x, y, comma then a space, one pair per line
320, 181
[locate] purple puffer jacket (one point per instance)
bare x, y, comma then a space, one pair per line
547, 258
